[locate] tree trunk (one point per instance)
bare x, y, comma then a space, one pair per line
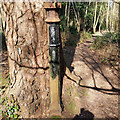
107, 17
95, 16
68, 17
113, 17
76, 16
66, 8
94, 29
27, 45
119, 18
111, 8
101, 21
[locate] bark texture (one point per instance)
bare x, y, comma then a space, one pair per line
27, 44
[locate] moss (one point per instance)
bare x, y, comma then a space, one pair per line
54, 70
54, 117
72, 106
69, 91
2, 81
77, 94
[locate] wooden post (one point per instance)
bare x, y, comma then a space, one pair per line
54, 43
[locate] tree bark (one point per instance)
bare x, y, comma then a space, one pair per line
68, 17
27, 44
76, 16
119, 18
101, 21
107, 17
113, 17
96, 18
94, 29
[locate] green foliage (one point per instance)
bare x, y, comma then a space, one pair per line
72, 30
98, 43
84, 36
72, 106
11, 108
82, 13
55, 117
4, 82
108, 38
111, 60
108, 44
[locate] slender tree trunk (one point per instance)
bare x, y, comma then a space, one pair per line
86, 12
76, 16
119, 18
95, 16
111, 9
118, 41
68, 17
66, 6
66, 9
113, 15
27, 44
101, 21
94, 29
107, 17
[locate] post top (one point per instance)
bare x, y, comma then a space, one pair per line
51, 5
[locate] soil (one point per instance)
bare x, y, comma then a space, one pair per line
3, 77
95, 95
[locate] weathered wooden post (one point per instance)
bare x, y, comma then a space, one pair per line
54, 43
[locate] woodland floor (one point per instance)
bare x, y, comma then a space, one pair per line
96, 93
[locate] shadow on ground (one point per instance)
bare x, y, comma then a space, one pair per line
71, 44
84, 115
85, 55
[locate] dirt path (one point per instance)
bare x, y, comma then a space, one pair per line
96, 94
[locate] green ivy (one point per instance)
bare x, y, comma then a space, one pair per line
11, 109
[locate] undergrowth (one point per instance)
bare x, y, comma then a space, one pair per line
106, 39
11, 108
84, 36
108, 47
8, 105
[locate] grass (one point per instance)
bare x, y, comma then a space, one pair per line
72, 106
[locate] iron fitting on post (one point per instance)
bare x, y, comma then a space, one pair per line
54, 51
52, 11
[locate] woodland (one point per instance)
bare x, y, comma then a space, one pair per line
89, 60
